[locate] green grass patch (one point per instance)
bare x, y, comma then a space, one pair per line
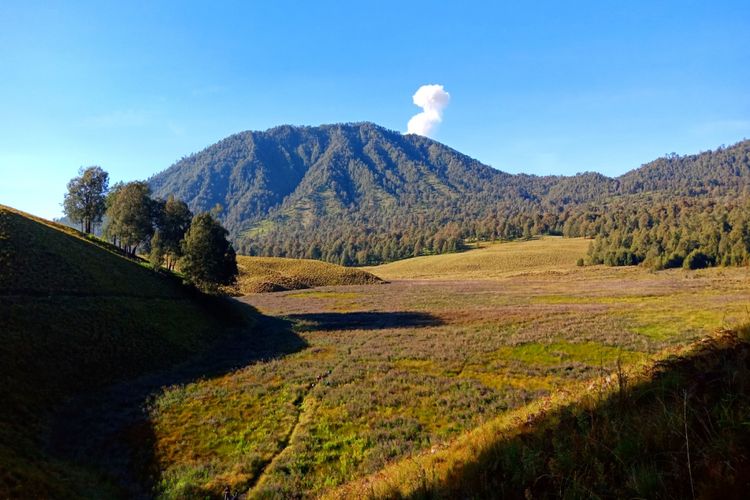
590, 353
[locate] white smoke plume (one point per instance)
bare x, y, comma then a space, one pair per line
432, 99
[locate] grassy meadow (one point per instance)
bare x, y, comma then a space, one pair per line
408, 367
542, 255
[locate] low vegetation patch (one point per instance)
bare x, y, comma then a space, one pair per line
676, 428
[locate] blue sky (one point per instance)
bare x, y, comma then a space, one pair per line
536, 87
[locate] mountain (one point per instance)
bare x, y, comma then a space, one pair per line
725, 171
75, 315
361, 194
329, 168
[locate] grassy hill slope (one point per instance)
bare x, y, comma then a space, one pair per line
274, 274
492, 261
673, 429
76, 315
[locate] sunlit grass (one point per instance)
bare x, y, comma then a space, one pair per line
590, 353
667, 429
273, 274
492, 261
495, 345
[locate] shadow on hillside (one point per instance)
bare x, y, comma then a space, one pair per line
109, 430
635, 443
365, 320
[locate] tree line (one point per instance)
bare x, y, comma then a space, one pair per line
656, 231
165, 231
688, 233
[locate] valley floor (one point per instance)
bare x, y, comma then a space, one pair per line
397, 368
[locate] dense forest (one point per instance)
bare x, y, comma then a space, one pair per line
359, 194
686, 233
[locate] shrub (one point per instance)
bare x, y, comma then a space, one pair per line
697, 260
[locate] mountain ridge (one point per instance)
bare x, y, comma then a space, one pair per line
342, 192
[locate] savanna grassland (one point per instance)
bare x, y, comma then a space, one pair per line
397, 369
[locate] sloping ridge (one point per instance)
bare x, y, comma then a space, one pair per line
75, 315
674, 428
275, 274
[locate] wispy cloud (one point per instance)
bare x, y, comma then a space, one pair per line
176, 128
208, 90
119, 118
723, 127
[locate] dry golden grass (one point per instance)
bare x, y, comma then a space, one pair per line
274, 274
548, 254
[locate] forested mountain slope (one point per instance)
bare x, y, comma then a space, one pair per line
359, 193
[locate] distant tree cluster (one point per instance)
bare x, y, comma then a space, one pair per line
165, 230
688, 233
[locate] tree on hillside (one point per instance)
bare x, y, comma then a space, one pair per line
172, 222
208, 257
157, 255
85, 200
130, 215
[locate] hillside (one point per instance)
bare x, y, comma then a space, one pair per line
275, 274
361, 194
492, 261
317, 171
76, 315
669, 429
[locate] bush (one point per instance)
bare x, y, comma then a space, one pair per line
697, 260
674, 260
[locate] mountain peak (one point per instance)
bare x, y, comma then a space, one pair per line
292, 190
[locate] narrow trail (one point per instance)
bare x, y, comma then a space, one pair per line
90, 428
269, 466
285, 445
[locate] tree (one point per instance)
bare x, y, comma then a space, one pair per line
85, 200
173, 221
158, 253
130, 214
208, 258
